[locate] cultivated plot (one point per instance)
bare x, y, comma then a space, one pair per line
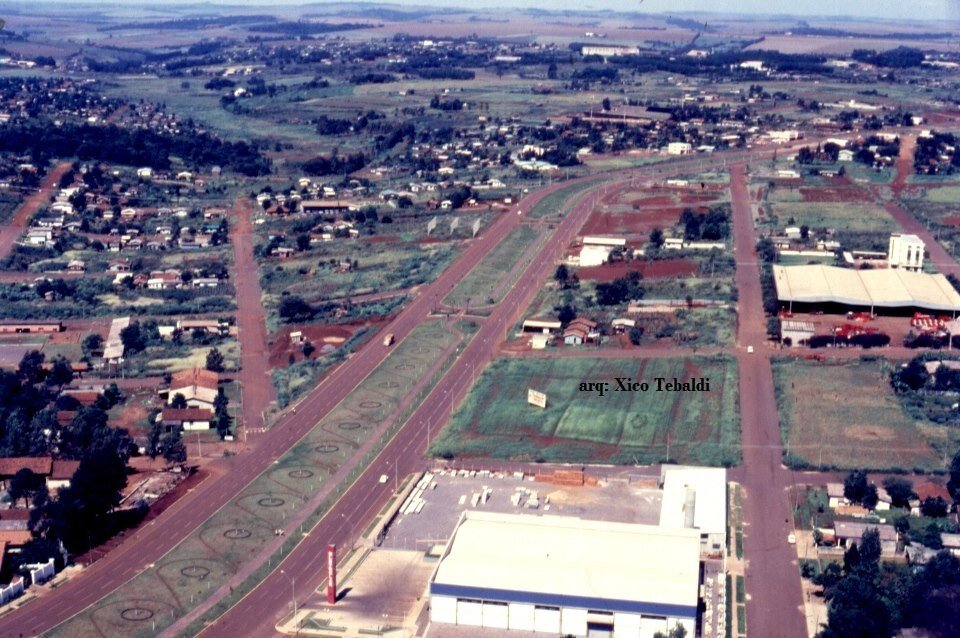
580, 425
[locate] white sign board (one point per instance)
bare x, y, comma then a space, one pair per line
536, 398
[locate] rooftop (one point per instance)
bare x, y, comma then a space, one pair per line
881, 287
496, 555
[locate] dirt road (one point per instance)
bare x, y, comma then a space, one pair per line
256, 384
772, 577
9, 233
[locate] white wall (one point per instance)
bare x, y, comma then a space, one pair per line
495, 615
443, 609
521, 617
546, 620
469, 613
573, 621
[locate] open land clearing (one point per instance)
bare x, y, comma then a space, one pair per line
582, 426
847, 416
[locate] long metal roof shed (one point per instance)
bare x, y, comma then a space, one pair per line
880, 288
571, 562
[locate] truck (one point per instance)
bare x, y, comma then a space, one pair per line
388, 339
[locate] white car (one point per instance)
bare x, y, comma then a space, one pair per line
384, 478
749, 349
792, 538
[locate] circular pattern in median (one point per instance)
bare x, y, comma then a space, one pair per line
195, 571
300, 474
136, 614
327, 448
237, 533
270, 501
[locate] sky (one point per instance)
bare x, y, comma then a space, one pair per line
932, 10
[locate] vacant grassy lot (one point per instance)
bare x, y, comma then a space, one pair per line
847, 416
839, 216
944, 195
492, 276
582, 426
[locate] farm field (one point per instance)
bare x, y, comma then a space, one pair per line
483, 284
582, 426
855, 420
839, 216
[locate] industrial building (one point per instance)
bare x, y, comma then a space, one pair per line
880, 288
569, 576
696, 498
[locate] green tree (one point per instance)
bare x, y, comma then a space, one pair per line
153, 439
92, 344
179, 402
636, 334
899, 489
953, 485
61, 373
215, 360
656, 237
31, 367
855, 486
24, 484
174, 451
132, 338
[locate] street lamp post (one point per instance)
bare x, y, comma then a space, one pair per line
293, 595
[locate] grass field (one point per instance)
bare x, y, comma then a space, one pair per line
488, 281
243, 528
944, 195
847, 416
857, 217
582, 426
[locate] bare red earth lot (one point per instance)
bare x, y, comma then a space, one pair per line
830, 195
649, 269
324, 339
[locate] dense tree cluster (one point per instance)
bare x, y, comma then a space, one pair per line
43, 140
898, 58
713, 225
620, 290
872, 600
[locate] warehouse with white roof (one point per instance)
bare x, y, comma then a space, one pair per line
567, 576
877, 288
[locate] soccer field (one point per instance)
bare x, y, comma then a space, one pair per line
599, 423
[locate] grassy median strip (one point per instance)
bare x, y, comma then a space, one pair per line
237, 533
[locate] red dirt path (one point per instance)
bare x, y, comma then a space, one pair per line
10, 232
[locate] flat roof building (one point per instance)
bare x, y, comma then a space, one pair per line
696, 498
567, 576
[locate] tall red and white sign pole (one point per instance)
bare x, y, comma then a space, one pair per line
331, 574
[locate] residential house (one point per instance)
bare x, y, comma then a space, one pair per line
199, 387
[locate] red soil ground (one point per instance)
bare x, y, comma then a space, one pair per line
649, 269
381, 239
319, 335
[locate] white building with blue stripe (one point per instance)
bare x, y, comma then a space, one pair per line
567, 576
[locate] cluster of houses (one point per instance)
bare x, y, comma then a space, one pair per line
845, 533
545, 331
129, 228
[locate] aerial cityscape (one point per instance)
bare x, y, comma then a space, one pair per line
491, 320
